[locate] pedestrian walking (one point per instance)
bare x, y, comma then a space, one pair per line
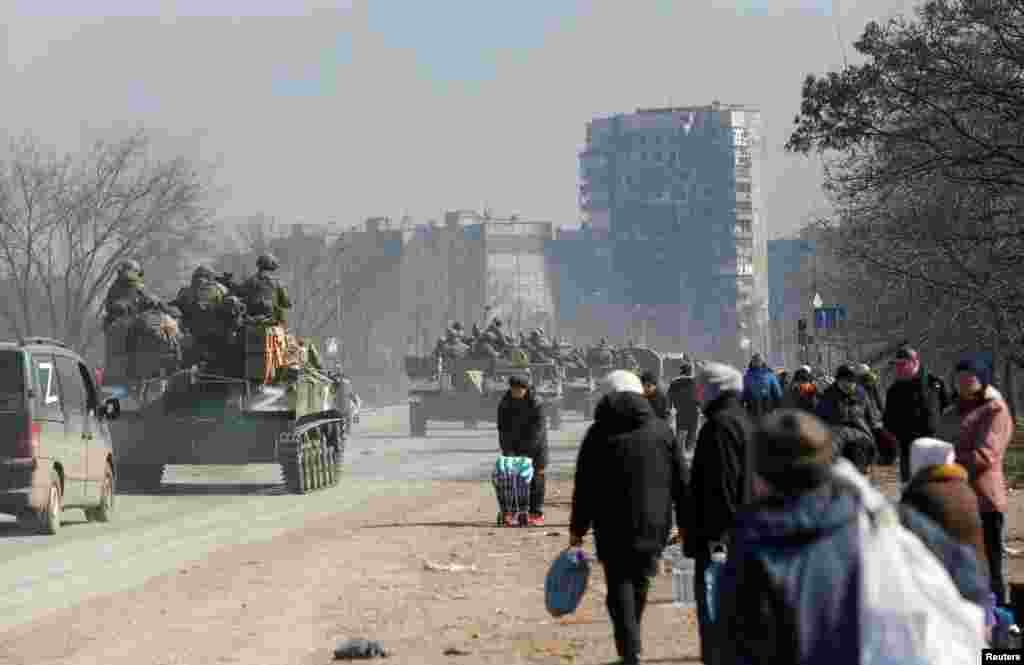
845, 408
980, 428
941, 508
682, 394
655, 395
629, 478
761, 390
803, 391
913, 405
522, 432
812, 579
720, 482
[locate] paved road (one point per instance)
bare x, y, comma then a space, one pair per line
202, 509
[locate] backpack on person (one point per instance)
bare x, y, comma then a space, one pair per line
910, 611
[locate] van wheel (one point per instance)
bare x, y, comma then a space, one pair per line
49, 518
105, 509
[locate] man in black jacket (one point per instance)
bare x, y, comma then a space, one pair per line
522, 432
682, 394
913, 405
629, 476
720, 479
654, 394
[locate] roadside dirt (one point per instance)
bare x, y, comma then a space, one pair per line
289, 600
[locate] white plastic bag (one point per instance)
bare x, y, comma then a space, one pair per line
911, 611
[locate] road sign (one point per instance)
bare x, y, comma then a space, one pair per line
817, 302
829, 318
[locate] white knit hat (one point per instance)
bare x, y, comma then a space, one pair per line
621, 381
926, 452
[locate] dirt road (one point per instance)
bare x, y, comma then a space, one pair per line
205, 510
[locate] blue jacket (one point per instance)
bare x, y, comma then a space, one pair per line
790, 589
761, 390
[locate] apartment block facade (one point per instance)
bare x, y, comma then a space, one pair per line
677, 190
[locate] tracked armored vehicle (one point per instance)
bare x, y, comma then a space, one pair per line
244, 404
468, 390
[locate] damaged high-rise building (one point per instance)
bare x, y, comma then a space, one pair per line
676, 191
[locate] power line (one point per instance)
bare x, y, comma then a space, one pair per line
839, 32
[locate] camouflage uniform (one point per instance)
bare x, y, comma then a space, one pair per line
263, 294
127, 296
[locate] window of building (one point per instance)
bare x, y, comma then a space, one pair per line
708, 212
643, 156
657, 140
657, 156
743, 187
643, 140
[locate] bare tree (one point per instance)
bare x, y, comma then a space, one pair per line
313, 269
67, 222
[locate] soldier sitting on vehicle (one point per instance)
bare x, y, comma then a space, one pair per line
601, 355
127, 296
201, 305
264, 295
454, 347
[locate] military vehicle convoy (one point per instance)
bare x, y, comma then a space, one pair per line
468, 390
250, 396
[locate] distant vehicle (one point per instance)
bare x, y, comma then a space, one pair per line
468, 390
55, 447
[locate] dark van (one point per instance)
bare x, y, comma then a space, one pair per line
55, 445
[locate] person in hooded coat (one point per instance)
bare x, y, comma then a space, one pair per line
629, 477
720, 482
980, 427
762, 393
802, 393
522, 432
939, 491
845, 408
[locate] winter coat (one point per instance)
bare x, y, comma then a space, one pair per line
802, 396
659, 403
849, 416
790, 591
629, 475
761, 391
681, 394
913, 407
521, 428
719, 481
942, 493
981, 432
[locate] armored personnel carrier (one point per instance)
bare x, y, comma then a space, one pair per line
468, 390
248, 402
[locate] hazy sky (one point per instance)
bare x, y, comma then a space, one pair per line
317, 111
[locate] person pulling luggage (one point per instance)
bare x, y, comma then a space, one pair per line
522, 432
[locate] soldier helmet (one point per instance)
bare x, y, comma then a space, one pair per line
497, 323
267, 262
457, 326
129, 265
202, 272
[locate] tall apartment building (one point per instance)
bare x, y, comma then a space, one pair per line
678, 192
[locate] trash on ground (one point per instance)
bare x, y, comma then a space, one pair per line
448, 567
454, 651
359, 649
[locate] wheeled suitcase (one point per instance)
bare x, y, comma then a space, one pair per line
511, 479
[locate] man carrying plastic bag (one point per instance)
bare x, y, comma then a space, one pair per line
822, 572
629, 475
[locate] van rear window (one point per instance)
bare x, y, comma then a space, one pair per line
12, 381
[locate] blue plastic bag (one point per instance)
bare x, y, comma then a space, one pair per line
566, 582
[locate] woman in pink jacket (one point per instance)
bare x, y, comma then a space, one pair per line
980, 426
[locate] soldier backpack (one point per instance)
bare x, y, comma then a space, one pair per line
260, 296
208, 295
